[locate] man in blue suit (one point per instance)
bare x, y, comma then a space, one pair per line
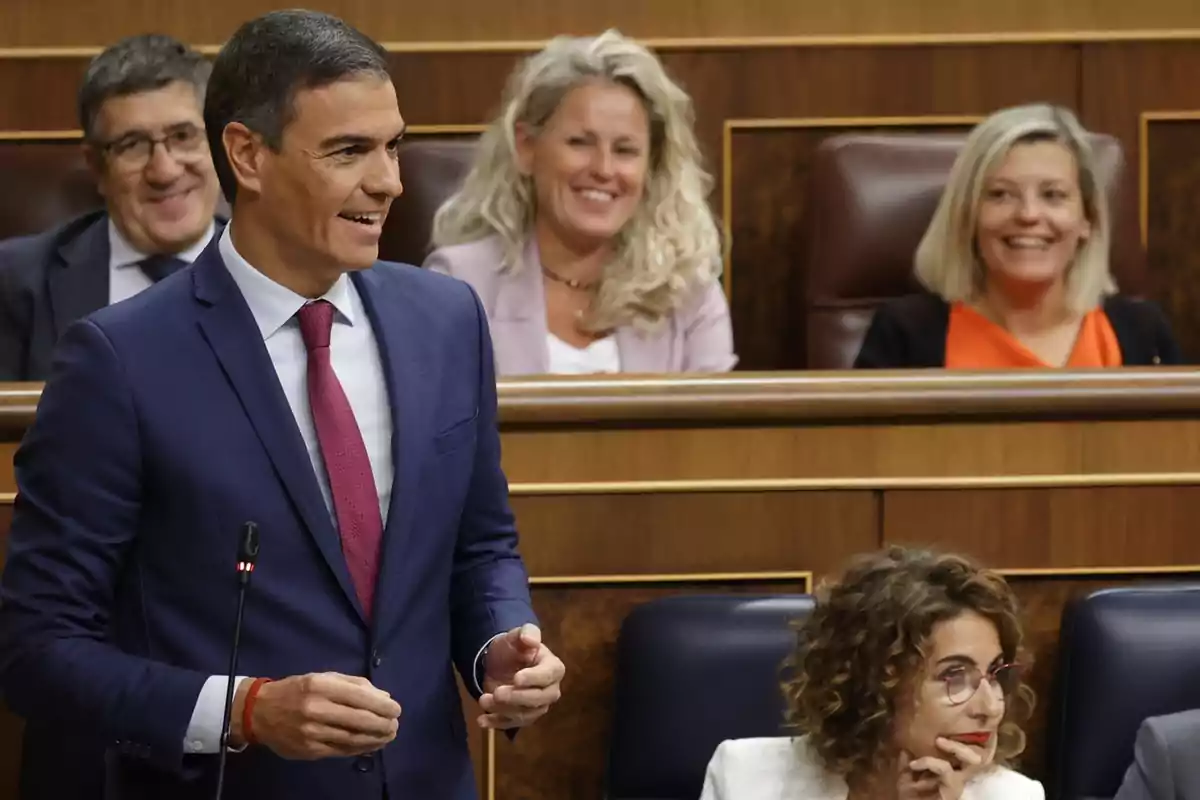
141, 106
346, 406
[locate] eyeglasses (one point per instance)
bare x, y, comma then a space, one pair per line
962, 681
133, 151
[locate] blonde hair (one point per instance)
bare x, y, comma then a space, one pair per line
667, 250
948, 261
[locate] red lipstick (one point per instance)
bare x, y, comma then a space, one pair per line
978, 738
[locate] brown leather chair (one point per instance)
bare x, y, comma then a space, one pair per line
871, 198
45, 184
431, 170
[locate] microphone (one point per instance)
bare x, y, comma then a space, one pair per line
247, 556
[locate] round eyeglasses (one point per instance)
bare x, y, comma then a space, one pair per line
962, 681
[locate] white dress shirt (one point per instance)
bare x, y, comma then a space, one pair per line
125, 278
786, 768
600, 356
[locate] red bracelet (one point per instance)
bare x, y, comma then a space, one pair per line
248, 709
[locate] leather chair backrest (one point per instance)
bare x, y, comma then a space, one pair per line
431, 171
691, 672
45, 184
871, 198
1124, 655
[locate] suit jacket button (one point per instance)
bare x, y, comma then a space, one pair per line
364, 764
376, 659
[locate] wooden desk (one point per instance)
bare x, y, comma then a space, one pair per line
630, 489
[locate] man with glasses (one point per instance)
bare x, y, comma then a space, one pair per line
141, 110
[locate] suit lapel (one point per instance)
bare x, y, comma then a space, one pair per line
408, 369
229, 327
78, 283
518, 323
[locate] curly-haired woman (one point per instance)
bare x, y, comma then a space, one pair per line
905, 684
584, 225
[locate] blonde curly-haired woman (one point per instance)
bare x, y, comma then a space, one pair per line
584, 225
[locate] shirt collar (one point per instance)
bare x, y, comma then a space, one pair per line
272, 304
123, 254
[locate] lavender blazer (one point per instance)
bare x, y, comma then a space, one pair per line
697, 338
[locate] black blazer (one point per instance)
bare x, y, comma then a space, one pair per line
47, 281
910, 333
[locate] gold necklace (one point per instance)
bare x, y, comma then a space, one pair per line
578, 286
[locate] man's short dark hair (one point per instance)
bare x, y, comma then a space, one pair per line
138, 64
267, 61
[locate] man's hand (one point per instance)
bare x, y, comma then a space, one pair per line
320, 715
522, 679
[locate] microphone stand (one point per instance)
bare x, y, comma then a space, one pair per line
247, 556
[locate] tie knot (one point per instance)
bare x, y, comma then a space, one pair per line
160, 266
316, 322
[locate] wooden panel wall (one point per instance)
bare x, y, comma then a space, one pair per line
630, 489
1056, 544
1146, 94
762, 110
74, 23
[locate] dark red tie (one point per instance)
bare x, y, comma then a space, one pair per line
355, 499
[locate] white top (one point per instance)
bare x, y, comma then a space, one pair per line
354, 354
599, 356
125, 278
783, 768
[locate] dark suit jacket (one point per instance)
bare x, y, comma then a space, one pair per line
1165, 764
910, 333
161, 429
47, 281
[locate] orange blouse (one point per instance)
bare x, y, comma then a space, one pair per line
975, 342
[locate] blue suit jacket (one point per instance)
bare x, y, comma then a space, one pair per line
163, 428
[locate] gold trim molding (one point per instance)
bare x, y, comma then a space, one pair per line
1099, 572
803, 123
1144, 120
40, 136
882, 483
804, 576
723, 42
490, 759
748, 485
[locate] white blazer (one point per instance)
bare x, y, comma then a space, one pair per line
782, 768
